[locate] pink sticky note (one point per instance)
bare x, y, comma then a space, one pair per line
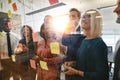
53, 2
9, 25
32, 64
35, 36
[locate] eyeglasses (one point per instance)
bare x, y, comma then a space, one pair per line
86, 17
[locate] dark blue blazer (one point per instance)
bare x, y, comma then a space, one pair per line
72, 41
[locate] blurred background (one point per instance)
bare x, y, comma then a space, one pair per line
32, 12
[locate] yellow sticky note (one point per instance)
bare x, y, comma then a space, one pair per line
9, 1
1, 5
13, 58
1, 34
43, 65
32, 64
55, 48
9, 14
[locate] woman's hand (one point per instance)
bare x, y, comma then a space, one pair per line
69, 70
70, 63
18, 50
25, 48
22, 48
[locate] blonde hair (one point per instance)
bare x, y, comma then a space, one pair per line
96, 23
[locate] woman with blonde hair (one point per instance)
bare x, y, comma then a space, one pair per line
91, 60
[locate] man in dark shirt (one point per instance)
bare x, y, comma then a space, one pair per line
72, 37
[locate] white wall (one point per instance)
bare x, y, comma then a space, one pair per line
111, 31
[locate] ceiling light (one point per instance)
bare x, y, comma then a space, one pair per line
46, 8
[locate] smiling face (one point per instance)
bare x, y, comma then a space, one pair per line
117, 11
26, 32
85, 21
91, 23
74, 15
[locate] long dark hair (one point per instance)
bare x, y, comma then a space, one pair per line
23, 30
42, 34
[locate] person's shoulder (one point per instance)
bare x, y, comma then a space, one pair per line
76, 34
100, 42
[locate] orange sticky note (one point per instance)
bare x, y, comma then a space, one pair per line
32, 64
14, 6
35, 36
9, 25
55, 48
1, 6
9, 1
43, 65
9, 14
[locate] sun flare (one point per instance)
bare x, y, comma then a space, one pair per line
60, 24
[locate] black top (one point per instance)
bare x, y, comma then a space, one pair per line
30, 44
24, 57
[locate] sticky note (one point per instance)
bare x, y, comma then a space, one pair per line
14, 6
32, 64
9, 25
13, 58
1, 5
9, 14
9, 1
43, 65
53, 2
55, 48
35, 36
1, 34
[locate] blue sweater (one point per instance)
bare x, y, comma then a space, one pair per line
92, 60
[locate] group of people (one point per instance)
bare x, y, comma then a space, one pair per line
85, 55
91, 57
